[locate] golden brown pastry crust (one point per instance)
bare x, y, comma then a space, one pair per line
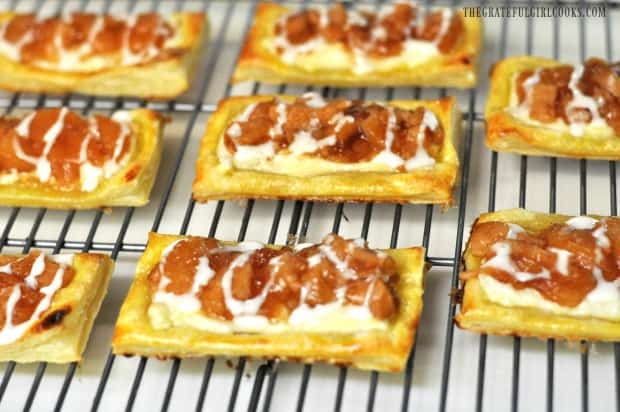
479, 314
456, 69
381, 350
429, 185
129, 186
76, 306
506, 133
164, 79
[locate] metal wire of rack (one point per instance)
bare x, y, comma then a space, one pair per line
265, 377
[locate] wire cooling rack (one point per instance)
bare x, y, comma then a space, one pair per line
448, 369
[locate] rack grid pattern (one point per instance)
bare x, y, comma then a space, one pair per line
264, 381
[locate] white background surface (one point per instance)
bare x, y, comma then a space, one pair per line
428, 365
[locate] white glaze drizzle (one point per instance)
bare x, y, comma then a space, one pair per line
128, 57
90, 175
289, 51
581, 223
245, 312
13, 50
339, 120
605, 291
72, 60
276, 129
314, 100
186, 302
578, 101
38, 266
513, 231
247, 307
23, 128
562, 260
503, 261
304, 142
305, 313
41, 163
11, 332
124, 119
421, 158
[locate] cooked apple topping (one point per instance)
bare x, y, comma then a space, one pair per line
27, 286
338, 130
374, 34
588, 94
250, 281
566, 263
60, 148
79, 41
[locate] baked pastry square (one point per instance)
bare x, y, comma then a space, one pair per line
547, 276
360, 47
49, 304
336, 302
146, 55
56, 158
330, 150
541, 107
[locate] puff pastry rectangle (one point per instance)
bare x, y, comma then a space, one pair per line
163, 77
216, 179
511, 129
384, 347
60, 332
129, 184
491, 309
260, 61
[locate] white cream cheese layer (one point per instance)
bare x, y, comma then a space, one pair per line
602, 302
318, 55
597, 128
81, 59
170, 310
602, 306
330, 318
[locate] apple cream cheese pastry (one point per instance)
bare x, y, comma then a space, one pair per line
56, 158
399, 44
548, 276
542, 107
336, 301
145, 55
281, 147
48, 304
